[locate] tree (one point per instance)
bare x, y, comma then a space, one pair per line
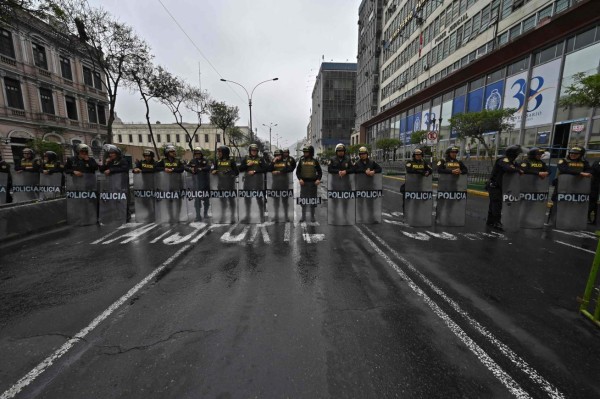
388, 145
353, 149
236, 138
40, 146
473, 125
583, 92
223, 117
112, 46
42, 9
142, 76
418, 137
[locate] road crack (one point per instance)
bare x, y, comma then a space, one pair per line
112, 350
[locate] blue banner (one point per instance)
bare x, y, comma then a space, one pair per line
492, 99
475, 101
458, 107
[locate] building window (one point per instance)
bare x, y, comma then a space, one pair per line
158, 138
503, 38
218, 138
14, 97
131, 138
140, 138
87, 76
168, 138
92, 115
515, 31
196, 138
47, 101
529, 23
97, 80
177, 138
206, 138
6, 44
71, 107
101, 114
39, 56
65, 68
120, 137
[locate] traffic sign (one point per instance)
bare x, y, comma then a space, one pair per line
432, 136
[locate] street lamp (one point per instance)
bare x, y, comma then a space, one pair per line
270, 126
249, 96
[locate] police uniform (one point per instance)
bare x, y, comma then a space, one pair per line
118, 165
283, 166
533, 166
258, 166
309, 171
146, 166
446, 166
291, 161
170, 163
76, 164
337, 164
421, 167
361, 166
200, 169
23, 164
5, 168
494, 187
52, 167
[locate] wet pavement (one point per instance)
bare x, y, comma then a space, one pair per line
299, 310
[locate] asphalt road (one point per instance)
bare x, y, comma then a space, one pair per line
298, 310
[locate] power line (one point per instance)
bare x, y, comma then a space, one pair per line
197, 48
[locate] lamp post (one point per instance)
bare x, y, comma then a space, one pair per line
249, 96
270, 126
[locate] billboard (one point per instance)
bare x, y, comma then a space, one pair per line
493, 96
458, 106
475, 100
541, 98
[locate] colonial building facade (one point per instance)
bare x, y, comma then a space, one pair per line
48, 90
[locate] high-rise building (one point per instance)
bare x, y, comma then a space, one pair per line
370, 30
47, 90
333, 105
444, 57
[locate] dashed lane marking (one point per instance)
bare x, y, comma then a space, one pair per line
60, 352
488, 362
575, 246
552, 392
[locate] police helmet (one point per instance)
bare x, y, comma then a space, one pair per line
253, 147
197, 150
28, 151
417, 151
340, 147
51, 155
577, 150
224, 150
278, 152
83, 147
148, 153
363, 150
513, 151
168, 149
286, 150
112, 149
452, 149
534, 151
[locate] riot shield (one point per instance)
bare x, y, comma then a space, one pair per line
451, 196
3, 187
50, 186
534, 200
170, 204
223, 195
341, 200
369, 195
251, 199
418, 200
197, 187
112, 207
82, 199
511, 201
280, 197
143, 194
572, 202
25, 186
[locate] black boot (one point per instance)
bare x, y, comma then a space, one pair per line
312, 214
303, 218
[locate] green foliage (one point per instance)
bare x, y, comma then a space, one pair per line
353, 149
418, 137
222, 115
40, 146
584, 92
388, 145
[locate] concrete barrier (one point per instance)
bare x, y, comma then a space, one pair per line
17, 220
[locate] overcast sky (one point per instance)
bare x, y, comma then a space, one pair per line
247, 42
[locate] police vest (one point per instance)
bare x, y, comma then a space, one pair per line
533, 165
415, 165
224, 166
173, 164
147, 165
308, 169
252, 163
452, 165
26, 164
279, 165
48, 166
574, 166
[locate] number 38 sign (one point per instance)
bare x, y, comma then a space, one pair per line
539, 96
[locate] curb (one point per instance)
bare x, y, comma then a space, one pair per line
469, 190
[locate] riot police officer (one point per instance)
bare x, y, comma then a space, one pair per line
115, 163
533, 164
226, 168
505, 164
146, 165
289, 159
340, 164
170, 163
417, 165
253, 164
279, 166
5, 169
28, 163
81, 163
200, 168
309, 174
51, 164
365, 164
451, 165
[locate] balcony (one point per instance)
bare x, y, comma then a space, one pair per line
44, 73
8, 61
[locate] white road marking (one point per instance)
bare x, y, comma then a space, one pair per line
578, 234
576, 247
265, 235
496, 370
132, 235
395, 222
177, 238
392, 191
416, 236
287, 232
397, 214
471, 236
512, 356
310, 238
443, 236
157, 239
228, 238
253, 233
46, 363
